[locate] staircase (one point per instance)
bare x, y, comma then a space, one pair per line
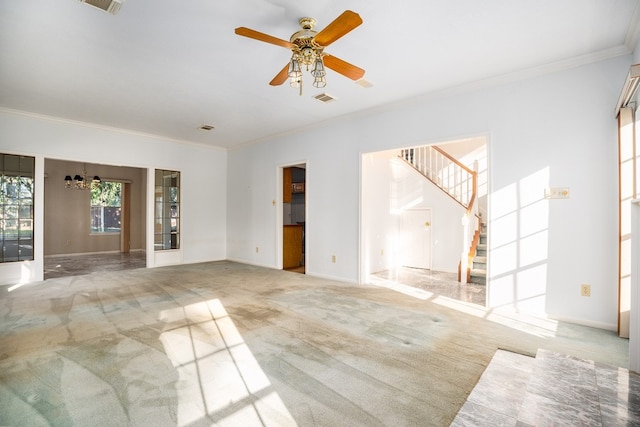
551, 390
479, 260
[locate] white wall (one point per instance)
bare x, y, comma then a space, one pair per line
203, 197
389, 185
557, 129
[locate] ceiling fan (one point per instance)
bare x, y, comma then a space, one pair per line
307, 47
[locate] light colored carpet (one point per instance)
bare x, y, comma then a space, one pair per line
230, 344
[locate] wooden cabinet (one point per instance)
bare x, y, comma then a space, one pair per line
286, 185
292, 246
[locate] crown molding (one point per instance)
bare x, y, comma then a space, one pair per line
63, 120
633, 32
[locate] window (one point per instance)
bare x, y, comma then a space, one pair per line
16, 207
106, 207
167, 210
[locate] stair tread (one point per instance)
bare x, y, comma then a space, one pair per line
566, 374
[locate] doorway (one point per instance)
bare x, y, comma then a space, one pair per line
397, 198
293, 218
80, 238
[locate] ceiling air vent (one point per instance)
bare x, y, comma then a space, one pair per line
324, 97
111, 6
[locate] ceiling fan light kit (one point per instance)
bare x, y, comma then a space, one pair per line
307, 50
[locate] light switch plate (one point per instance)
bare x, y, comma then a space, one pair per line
556, 193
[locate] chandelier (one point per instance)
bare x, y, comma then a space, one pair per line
307, 53
80, 182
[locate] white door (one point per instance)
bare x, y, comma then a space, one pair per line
415, 229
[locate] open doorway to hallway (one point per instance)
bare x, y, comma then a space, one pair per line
90, 228
401, 244
293, 218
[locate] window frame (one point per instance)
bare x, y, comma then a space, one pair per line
167, 210
17, 176
93, 232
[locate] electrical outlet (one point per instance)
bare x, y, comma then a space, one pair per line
382, 252
333, 258
257, 249
585, 290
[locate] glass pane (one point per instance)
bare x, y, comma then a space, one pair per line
11, 190
158, 210
26, 229
27, 165
10, 229
25, 248
167, 226
11, 212
166, 209
11, 165
24, 211
11, 250
25, 188
174, 194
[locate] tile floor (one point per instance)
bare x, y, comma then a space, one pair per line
551, 390
77, 265
435, 282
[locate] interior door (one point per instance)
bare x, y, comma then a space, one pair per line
415, 228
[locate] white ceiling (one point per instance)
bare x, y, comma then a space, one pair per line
166, 67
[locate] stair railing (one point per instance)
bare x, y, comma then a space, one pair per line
445, 171
460, 183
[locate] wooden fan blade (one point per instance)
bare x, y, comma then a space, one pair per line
338, 28
253, 34
343, 67
281, 77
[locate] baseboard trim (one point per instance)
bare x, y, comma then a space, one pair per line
584, 322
